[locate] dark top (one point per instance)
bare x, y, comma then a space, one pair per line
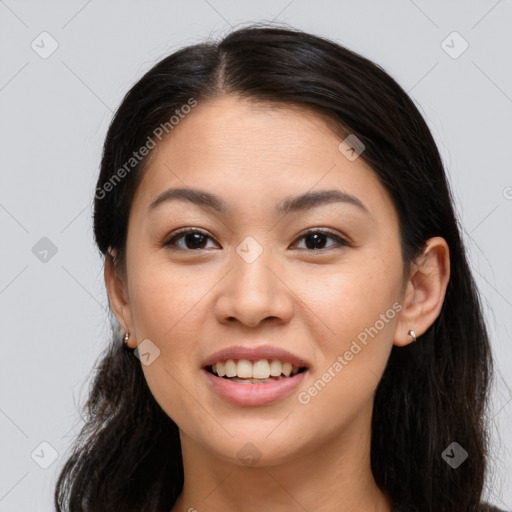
484, 507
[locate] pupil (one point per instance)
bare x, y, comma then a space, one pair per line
195, 240
317, 242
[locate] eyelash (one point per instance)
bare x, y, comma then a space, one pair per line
180, 234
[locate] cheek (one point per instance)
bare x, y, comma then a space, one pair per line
168, 303
350, 298
169, 311
355, 309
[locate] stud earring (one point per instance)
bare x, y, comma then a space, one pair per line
126, 337
411, 333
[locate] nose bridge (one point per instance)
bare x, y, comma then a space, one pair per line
251, 265
253, 292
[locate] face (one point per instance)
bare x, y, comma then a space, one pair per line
315, 281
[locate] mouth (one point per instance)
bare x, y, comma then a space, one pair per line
254, 375
261, 371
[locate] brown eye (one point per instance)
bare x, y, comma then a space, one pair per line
316, 240
193, 239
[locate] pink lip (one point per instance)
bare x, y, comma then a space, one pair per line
254, 354
252, 394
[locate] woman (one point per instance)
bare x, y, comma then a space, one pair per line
298, 324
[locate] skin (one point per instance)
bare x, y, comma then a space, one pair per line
314, 303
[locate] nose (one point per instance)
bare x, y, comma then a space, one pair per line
254, 292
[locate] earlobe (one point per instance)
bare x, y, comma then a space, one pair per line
118, 295
425, 291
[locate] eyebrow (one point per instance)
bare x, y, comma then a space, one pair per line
287, 205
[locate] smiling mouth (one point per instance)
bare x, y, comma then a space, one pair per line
258, 372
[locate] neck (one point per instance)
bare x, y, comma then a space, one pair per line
335, 476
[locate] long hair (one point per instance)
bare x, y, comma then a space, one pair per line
432, 393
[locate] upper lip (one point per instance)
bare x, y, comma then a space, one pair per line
254, 354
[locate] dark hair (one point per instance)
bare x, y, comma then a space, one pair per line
432, 393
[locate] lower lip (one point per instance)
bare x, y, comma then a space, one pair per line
253, 394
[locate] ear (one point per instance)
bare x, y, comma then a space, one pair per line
424, 291
118, 294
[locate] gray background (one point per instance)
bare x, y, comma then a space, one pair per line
54, 116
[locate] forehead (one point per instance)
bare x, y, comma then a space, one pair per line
253, 154
231, 127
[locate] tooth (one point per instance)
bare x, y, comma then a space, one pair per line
261, 369
244, 369
275, 368
220, 369
230, 368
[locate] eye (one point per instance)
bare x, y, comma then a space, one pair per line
195, 239
315, 239
192, 238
